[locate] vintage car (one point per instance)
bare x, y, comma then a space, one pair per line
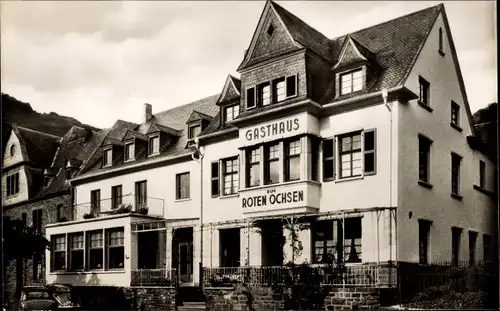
36, 298
64, 295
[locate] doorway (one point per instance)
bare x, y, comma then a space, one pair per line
182, 258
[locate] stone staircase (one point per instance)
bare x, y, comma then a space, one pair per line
192, 306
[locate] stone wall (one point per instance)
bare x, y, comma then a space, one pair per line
351, 298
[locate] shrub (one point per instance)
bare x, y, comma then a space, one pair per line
448, 297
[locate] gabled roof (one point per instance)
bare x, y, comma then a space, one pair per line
352, 52
198, 116
231, 90
133, 134
155, 127
38, 148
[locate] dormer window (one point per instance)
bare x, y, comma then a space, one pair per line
107, 158
194, 130
129, 151
231, 112
272, 92
154, 145
264, 94
351, 81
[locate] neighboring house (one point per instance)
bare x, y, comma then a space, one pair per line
367, 137
35, 188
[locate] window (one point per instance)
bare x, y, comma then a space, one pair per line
250, 97
424, 147
129, 151
350, 161
441, 48
351, 82
13, 184
456, 235
231, 112
264, 94
369, 152
107, 158
37, 215
230, 175
182, 186
455, 173
314, 158
116, 196
215, 179
271, 169
253, 167
424, 228
154, 145
323, 242
482, 174
292, 160
12, 150
229, 247
352, 240
58, 258
141, 194
279, 92
60, 213
76, 251
270, 30
328, 159
194, 130
472, 247
115, 249
291, 86
455, 114
95, 250
95, 202
24, 219
487, 247
424, 91
37, 267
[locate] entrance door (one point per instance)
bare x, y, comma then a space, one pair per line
186, 262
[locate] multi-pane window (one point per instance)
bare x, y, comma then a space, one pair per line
264, 94
115, 249
482, 174
107, 158
154, 145
455, 114
58, 256
182, 186
37, 217
472, 247
141, 193
271, 170
456, 235
13, 184
323, 242
194, 130
230, 175
116, 196
129, 151
95, 202
455, 173
215, 179
424, 228
231, 112
76, 246
424, 149
351, 82
487, 247
328, 159
424, 88
253, 167
95, 253
292, 160
279, 91
350, 163
37, 267
352, 239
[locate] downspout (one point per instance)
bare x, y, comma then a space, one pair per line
200, 160
388, 106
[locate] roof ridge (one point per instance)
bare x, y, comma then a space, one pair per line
387, 21
185, 105
39, 132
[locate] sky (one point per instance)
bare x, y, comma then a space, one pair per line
101, 61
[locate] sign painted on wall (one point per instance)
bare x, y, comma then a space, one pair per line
272, 129
273, 197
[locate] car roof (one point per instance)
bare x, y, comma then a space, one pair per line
34, 288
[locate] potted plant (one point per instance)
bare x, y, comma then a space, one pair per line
88, 216
143, 210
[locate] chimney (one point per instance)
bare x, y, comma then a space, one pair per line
148, 112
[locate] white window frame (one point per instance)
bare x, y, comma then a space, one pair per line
234, 181
235, 112
72, 249
131, 146
107, 158
254, 90
151, 150
108, 246
12, 184
351, 74
88, 236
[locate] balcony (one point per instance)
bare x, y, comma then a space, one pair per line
127, 204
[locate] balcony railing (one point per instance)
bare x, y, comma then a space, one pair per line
154, 277
127, 204
363, 275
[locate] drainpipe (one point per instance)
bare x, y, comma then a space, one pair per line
200, 160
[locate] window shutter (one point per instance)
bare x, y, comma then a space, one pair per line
370, 152
328, 159
215, 179
250, 97
291, 86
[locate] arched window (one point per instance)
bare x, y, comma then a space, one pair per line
12, 150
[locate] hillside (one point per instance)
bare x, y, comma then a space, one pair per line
20, 113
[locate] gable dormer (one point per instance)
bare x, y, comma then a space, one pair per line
159, 137
135, 145
229, 100
72, 167
196, 123
49, 174
111, 152
354, 69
